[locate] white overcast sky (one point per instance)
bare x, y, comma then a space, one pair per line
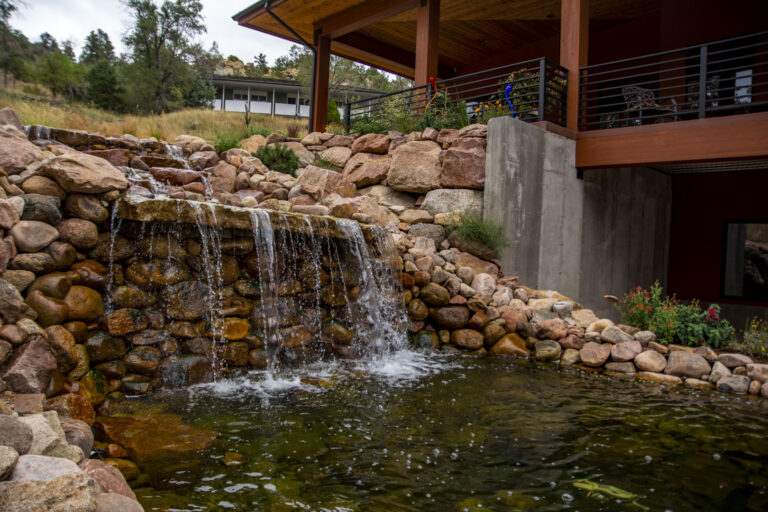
74, 19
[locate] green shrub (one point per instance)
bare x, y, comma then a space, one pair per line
279, 158
333, 112
687, 324
754, 339
366, 124
256, 130
474, 227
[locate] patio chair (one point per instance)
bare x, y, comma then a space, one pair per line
641, 100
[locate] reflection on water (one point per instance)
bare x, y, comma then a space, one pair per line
421, 433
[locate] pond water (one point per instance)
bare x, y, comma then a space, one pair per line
454, 433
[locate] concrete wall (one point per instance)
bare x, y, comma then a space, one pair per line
584, 238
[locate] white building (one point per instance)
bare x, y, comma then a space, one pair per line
275, 97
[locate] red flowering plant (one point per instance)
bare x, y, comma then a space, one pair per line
650, 310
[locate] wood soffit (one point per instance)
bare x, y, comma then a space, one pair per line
469, 30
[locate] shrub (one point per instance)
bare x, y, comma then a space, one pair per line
368, 124
672, 322
754, 339
333, 112
292, 130
228, 140
279, 158
472, 226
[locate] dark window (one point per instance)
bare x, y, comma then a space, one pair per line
745, 263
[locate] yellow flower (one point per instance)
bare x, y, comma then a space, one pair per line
477, 109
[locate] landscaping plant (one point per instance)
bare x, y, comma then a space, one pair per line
472, 226
754, 339
278, 158
686, 324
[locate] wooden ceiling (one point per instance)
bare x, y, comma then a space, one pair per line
470, 31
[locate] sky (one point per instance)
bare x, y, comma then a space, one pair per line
74, 19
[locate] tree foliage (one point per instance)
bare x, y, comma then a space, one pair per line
97, 47
103, 89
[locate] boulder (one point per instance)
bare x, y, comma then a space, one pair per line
365, 169
474, 130
118, 157
415, 167
8, 459
687, 364
613, 334
15, 433
348, 208
434, 295
738, 384
41, 208
554, 329
30, 367
108, 478
650, 361
16, 153
72, 492
626, 351
467, 338
388, 197
72, 406
338, 155
510, 345
444, 200
8, 214
547, 350
191, 143
733, 360
12, 306
306, 157
84, 303
10, 117
78, 433
48, 437
124, 321
252, 144
659, 378
464, 165
371, 143
319, 183
450, 317
223, 178
82, 234
433, 231
718, 371
42, 468
31, 235
595, 354
758, 372
78, 172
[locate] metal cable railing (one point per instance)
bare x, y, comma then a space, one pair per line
721, 78
536, 92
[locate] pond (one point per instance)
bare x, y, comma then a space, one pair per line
454, 433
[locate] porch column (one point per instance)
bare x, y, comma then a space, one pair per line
223, 95
574, 34
272, 110
427, 31
320, 93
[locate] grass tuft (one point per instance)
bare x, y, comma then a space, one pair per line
472, 226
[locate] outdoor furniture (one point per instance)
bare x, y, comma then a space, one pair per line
643, 102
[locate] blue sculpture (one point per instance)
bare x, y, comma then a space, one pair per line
506, 95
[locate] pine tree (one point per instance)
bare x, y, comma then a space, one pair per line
103, 89
97, 47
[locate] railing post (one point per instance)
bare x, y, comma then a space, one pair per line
703, 82
542, 87
348, 116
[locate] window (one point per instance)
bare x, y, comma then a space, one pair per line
240, 94
745, 272
291, 100
258, 96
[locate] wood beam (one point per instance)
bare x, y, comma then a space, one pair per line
427, 32
320, 89
699, 140
362, 15
574, 46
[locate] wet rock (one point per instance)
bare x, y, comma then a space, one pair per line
572, 342
78, 172
74, 491
84, 304
16, 434
108, 502
187, 369
450, 317
37, 262
157, 273
434, 295
687, 364
415, 167
145, 437
112, 369
73, 406
660, 378
93, 387
698, 384
626, 351
417, 310
547, 350
42, 209
510, 345
120, 250
554, 329
29, 368
467, 338
734, 360
613, 334
143, 360
63, 344
235, 353
135, 384
55, 285
82, 234
339, 333
124, 321
570, 357
62, 255
103, 347
129, 296
426, 340
595, 354
620, 367
108, 478
650, 361
31, 235
49, 310
738, 384
118, 157
81, 368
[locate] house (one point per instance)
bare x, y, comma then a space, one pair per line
275, 97
647, 153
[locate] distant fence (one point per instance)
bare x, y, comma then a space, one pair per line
536, 90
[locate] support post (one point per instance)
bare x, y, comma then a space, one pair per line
272, 111
223, 97
427, 32
574, 44
703, 82
320, 93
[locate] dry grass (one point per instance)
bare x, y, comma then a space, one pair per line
74, 116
